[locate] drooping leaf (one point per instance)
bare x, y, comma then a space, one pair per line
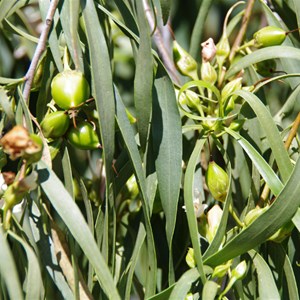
72, 217
281, 211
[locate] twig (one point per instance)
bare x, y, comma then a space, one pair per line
287, 144
161, 46
243, 29
39, 50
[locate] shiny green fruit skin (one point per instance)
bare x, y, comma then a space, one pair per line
269, 36
55, 124
83, 137
69, 89
217, 181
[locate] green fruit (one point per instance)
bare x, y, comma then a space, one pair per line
34, 150
269, 36
69, 89
253, 214
184, 62
217, 181
83, 137
237, 124
55, 124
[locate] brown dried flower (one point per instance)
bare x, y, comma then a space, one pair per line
19, 143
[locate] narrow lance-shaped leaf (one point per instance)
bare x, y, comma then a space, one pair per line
190, 211
265, 277
130, 143
273, 136
165, 10
143, 79
281, 211
8, 269
167, 144
72, 217
263, 167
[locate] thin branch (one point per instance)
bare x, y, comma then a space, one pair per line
39, 49
241, 33
159, 40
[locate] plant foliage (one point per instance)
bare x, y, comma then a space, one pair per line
162, 161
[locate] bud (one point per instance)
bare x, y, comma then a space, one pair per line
221, 270
217, 181
237, 124
185, 63
282, 233
214, 216
231, 87
190, 258
209, 50
239, 271
253, 214
269, 36
223, 50
191, 99
208, 73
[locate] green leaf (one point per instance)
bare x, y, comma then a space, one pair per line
263, 167
8, 270
130, 143
263, 54
281, 211
143, 79
34, 284
189, 205
102, 84
273, 136
296, 219
165, 294
288, 65
198, 28
184, 283
52, 39
165, 10
267, 288
167, 144
69, 15
78, 227
210, 290
291, 281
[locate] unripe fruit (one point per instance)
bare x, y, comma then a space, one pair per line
269, 36
69, 89
253, 214
55, 124
184, 62
34, 151
83, 136
217, 181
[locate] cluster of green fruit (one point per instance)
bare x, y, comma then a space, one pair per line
209, 99
70, 90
